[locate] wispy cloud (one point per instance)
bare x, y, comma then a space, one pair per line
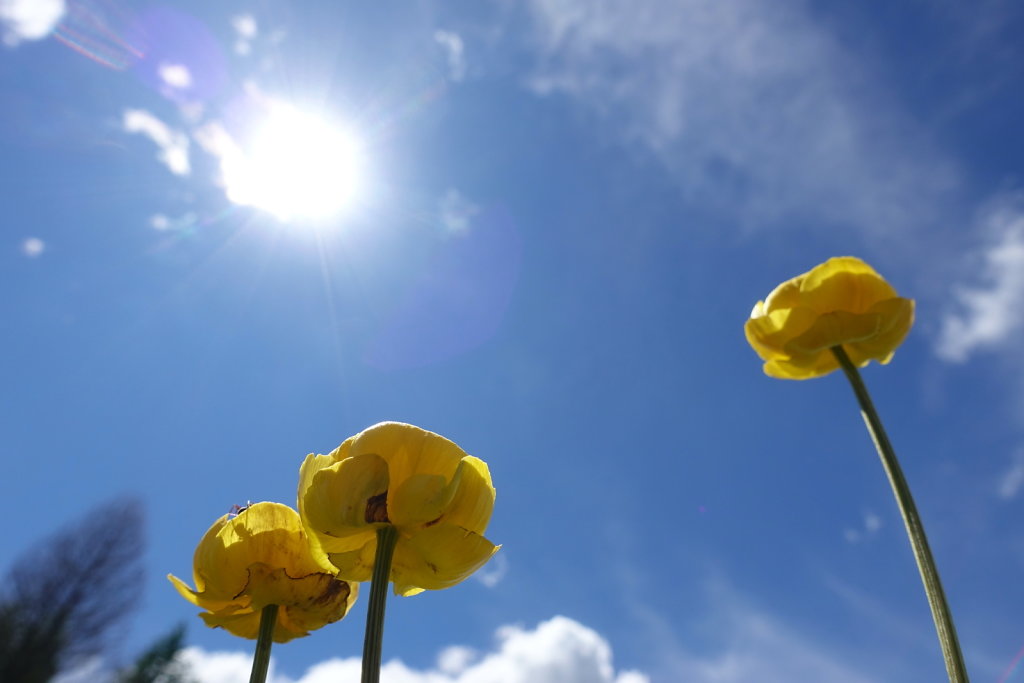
1010, 482
33, 247
175, 75
456, 212
246, 29
173, 144
454, 50
990, 313
559, 650
748, 644
757, 110
494, 571
22, 20
871, 524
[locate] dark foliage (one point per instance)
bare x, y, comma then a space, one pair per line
61, 601
157, 664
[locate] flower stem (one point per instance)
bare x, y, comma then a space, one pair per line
915, 528
387, 537
261, 660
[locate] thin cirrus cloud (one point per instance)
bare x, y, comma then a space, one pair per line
173, 145
559, 650
990, 313
22, 20
743, 643
456, 212
754, 108
454, 50
1010, 482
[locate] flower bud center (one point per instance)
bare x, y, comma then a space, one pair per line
377, 508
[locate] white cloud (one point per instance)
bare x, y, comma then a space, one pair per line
455, 52
29, 19
989, 314
1012, 480
247, 29
872, 523
173, 144
456, 212
756, 110
33, 247
245, 25
175, 75
494, 571
455, 659
559, 650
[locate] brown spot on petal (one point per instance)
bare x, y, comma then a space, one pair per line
377, 508
332, 590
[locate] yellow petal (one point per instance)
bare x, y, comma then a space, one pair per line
844, 284
421, 499
409, 450
261, 557
206, 555
786, 295
269, 585
247, 625
473, 502
833, 329
356, 565
267, 533
896, 318
333, 501
840, 302
769, 334
438, 557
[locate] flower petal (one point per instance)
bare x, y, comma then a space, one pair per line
473, 502
421, 499
356, 565
769, 334
333, 499
438, 557
409, 450
844, 284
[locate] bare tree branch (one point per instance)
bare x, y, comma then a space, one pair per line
61, 600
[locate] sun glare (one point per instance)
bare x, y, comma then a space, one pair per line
296, 165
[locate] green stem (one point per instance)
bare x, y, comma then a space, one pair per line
261, 660
915, 528
387, 537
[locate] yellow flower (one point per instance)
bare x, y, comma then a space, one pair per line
262, 557
842, 301
438, 498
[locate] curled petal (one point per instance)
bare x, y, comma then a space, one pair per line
334, 497
258, 558
473, 503
438, 557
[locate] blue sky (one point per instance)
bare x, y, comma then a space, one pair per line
561, 213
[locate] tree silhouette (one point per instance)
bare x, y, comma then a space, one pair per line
60, 602
159, 663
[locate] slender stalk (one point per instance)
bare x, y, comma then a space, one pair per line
261, 660
915, 528
387, 536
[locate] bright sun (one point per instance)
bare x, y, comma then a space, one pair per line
297, 165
